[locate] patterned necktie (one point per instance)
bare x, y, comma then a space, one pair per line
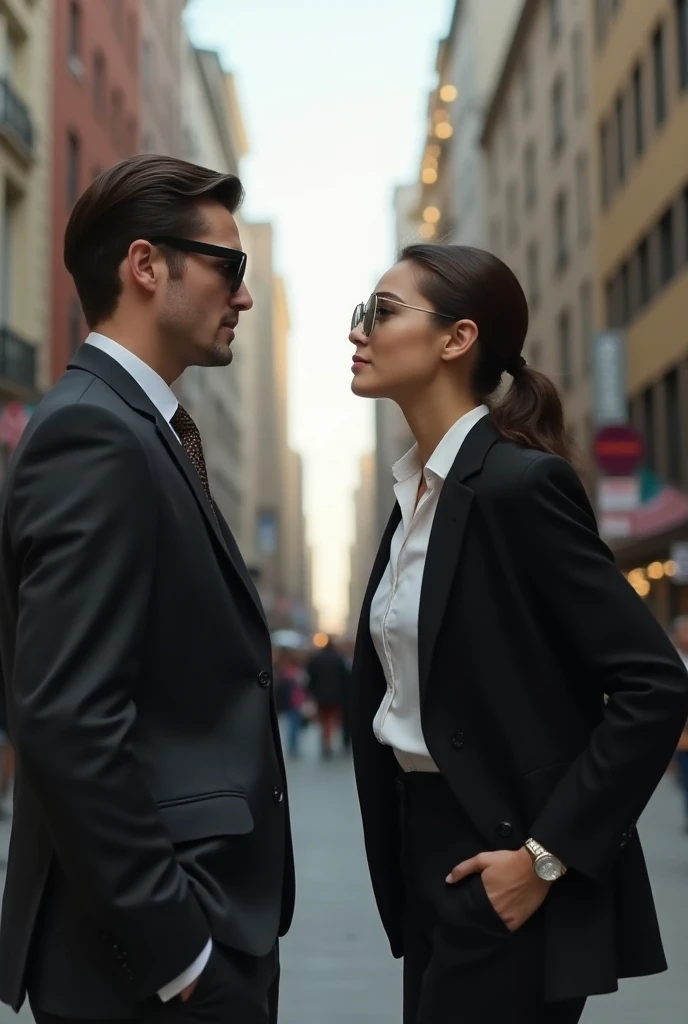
190, 437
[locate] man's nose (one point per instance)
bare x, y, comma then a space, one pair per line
242, 299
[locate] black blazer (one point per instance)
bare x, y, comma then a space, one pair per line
150, 805
525, 624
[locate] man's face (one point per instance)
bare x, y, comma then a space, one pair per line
199, 313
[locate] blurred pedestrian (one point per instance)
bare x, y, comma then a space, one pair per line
495, 623
680, 638
328, 682
150, 860
290, 695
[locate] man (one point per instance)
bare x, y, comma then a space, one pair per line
680, 638
150, 863
328, 680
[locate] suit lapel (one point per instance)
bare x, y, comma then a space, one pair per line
446, 541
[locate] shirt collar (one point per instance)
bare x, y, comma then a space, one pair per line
444, 455
158, 391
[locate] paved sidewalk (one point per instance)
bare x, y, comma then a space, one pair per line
336, 965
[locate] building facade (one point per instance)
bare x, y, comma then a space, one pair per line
537, 138
25, 140
640, 101
452, 200
95, 123
162, 42
366, 538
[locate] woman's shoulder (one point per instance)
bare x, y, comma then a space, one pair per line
521, 473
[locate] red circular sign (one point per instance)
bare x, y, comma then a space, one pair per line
618, 449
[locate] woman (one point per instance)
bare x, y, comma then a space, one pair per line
499, 788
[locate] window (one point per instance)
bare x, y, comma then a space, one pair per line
512, 213
644, 281
74, 326
610, 292
667, 262
564, 336
625, 294
73, 153
638, 120
682, 34
620, 139
586, 327
74, 30
649, 428
604, 162
561, 247
579, 75
673, 427
658, 64
558, 121
533, 272
529, 176
99, 84
583, 197
527, 86
555, 19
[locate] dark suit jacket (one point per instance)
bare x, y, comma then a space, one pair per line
150, 796
525, 624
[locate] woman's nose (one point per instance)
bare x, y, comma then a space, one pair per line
357, 337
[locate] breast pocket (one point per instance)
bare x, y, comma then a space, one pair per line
208, 816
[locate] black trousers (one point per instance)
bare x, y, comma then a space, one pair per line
461, 963
234, 988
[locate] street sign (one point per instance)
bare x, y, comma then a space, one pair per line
618, 449
609, 375
615, 525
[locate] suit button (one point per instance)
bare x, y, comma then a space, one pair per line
505, 830
264, 678
457, 740
278, 795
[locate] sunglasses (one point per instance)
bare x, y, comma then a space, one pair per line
233, 265
366, 312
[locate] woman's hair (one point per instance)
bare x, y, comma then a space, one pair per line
472, 284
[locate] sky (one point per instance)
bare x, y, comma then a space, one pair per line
334, 97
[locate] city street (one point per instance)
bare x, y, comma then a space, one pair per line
336, 967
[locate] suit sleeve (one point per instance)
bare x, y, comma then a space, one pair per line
626, 655
82, 517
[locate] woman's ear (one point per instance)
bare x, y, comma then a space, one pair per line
460, 339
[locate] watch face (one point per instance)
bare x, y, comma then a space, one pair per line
548, 868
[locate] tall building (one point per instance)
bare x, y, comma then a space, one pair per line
452, 199
162, 40
640, 113
25, 139
95, 123
537, 138
214, 136
366, 538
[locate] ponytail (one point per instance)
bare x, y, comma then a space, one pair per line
531, 414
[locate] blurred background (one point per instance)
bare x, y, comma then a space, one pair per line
552, 132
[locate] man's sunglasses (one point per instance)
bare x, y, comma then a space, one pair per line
233, 260
366, 312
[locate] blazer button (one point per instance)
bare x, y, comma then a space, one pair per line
457, 740
505, 830
264, 678
278, 795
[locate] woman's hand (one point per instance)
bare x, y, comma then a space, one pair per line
512, 886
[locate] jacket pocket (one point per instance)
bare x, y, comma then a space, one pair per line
206, 816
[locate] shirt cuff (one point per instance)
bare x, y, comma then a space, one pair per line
173, 988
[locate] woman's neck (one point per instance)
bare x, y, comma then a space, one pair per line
430, 416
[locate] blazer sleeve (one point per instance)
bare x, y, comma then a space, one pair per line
626, 655
82, 517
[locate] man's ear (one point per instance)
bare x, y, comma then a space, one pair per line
144, 263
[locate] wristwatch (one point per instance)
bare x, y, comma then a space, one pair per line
546, 866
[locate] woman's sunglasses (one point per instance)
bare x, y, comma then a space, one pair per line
366, 312
233, 260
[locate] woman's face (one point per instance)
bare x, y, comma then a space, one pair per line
404, 352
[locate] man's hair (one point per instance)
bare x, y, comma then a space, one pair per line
141, 197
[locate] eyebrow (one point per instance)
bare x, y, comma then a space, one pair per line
389, 295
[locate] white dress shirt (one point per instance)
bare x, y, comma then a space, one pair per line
396, 603
165, 401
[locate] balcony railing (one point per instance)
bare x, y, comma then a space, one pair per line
17, 359
15, 118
